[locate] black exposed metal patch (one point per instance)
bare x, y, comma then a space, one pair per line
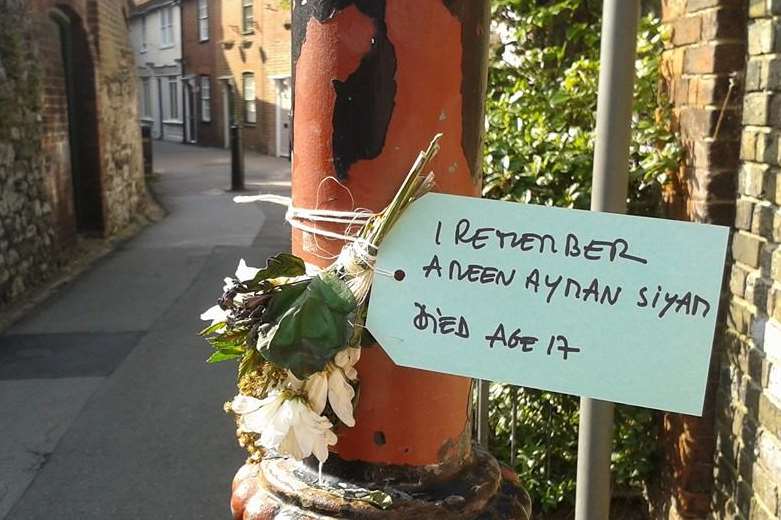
363, 109
456, 8
474, 17
365, 100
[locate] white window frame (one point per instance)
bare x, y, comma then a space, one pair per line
247, 16
173, 98
146, 95
203, 20
144, 33
249, 98
206, 99
166, 27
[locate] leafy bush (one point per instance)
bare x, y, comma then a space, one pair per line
542, 103
547, 443
541, 112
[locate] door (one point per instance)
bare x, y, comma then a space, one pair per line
283, 117
78, 77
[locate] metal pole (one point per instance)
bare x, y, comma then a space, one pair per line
609, 191
237, 158
513, 425
483, 404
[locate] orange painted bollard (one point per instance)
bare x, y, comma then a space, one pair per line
374, 80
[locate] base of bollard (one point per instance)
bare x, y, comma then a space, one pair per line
279, 489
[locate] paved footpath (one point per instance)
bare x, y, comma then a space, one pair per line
107, 407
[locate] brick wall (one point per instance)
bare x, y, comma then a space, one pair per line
55, 135
276, 60
26, 231
705, 54
229, 53
199, 58
748, 473
266, 53
119, 134
50, 189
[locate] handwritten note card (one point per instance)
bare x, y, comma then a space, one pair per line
613, 307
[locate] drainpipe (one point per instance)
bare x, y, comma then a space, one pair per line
181, 91
161, 126
372, 83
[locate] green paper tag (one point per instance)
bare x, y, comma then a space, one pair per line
613, 307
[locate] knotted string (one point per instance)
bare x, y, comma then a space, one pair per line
295, 216
358, 258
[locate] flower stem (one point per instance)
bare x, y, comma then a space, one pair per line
409, 191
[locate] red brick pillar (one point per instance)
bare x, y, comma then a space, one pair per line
705, 54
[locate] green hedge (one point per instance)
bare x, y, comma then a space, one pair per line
539, 143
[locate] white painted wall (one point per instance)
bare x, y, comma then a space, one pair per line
159, 60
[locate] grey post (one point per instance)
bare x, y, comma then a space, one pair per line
610, 181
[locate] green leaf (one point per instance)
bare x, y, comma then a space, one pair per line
282, 299
283, 264
309, 330
211, 329
219, 343
558, 98
222, 355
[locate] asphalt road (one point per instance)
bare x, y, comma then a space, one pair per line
107, 407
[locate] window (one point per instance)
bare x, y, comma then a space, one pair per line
173, 98
146, 94
203, 20
166, 27
206, 99
143, 33
250, 113
247, 16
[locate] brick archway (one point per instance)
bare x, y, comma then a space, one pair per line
80, 118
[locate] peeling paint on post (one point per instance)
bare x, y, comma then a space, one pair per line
365, 99
374, 81
475, 19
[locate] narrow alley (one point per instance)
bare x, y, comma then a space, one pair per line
109, 408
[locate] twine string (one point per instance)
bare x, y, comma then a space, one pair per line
296, 216
360, 254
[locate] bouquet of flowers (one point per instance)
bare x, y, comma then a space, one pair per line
297, 337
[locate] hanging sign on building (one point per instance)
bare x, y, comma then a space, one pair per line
613, 307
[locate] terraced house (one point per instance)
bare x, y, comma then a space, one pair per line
227, 62
155, 32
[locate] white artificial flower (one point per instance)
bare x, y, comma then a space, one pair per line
245, 273
285, 424
216, 314
340, 396
316, 388
346, 360
332, 384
